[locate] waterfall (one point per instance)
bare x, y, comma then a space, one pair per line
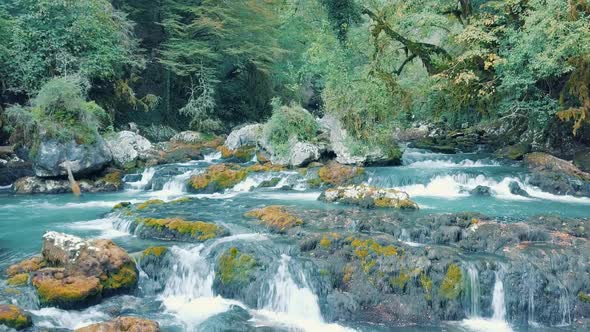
146, 178
474, 291
564, 306
498, 304
176, 186
285, 296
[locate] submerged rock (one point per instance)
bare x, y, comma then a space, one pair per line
127, 148
14, 317
82, 272
123, 324
52, 155
369, 197
481, 191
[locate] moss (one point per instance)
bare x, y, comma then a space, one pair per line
67, 293
115, 178
400, 281
219, 177
148, 203
121, 205
314, 183
270, 183
347, 273
368, 249
325, 273
584, 297
337, 174
325, 242
236, 267
28, 265
267, 167
451, 285
155, 251
275, 217
18, 280
243, 153
181, 200
426, 284
201, 230
124, 278
13, 317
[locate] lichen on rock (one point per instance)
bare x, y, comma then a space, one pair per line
179, 229
275, 217
217, 178
14, 317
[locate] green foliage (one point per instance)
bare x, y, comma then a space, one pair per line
289, 124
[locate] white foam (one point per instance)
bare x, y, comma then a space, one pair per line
146, 178
486, 325
68, 319
105, 225
285, 195
450, 164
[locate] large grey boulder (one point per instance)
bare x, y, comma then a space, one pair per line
303, 153
127, 147
52, 156
248, 135
187, 137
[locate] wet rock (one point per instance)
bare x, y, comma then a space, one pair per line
248, 135
127, 148
240, 155
336, 174
176, 229
434, 145
36, 185
123, 324
369, 197
556, 175
14, 317
187, 137
481, 191
582, 160
515, 189
28, 265
276, 218
303, 153
217, 178
14, 169
514, 152
52, 156
411, 134
82, 272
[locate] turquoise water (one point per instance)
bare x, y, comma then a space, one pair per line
438, 183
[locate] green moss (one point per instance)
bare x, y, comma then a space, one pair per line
451, 286
181, 200
121, 205
314, 183
325, 273
201, 230
124, 278
76, 290
400, 281
155, 251
325, 242
115, 178
18, 280
236, 267
219, 177
584, 297
148, 203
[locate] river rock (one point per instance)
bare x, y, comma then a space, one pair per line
303, 153
82, 271
14, 317
481, 191
123, 324
52, 156
556, 175
128, 147
13, 168
369, 197
187, 137
36, 185
248, 135
516, 189
582, 160
514, 152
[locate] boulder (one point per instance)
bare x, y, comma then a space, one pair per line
514, 152
82, 271
556, 175
14, 317
481, 191
128, 147
340, 146
516, 189
336, 174
36, 185
217, 178
52, 156
248, 135
303, 153
187, 137
12, 169
369, 197
582, 160
176, 229
123, 324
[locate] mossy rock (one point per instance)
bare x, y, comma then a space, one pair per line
582, 160
269, 183
179, 229
156, 251
67, 292
275, 218
28, 265
514, 152
217, 178
584, 297
14, 317
242, 154
338, 175
266, 167
452, 284
236, 268
148, 203
20, 279
435, 145
122, 280
115, 178
120, 324
121, 205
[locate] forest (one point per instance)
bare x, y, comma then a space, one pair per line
295, 165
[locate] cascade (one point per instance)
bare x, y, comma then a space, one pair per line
498, 304
474, 291
146, 178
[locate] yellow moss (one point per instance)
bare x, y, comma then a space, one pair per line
451, 285
236, 267
400, 281
202, 230
267, 167
148, 203
114, 177
18, 280
155, 251
243, 153
426, 283
347, 273
125, 277
26, 266
365, 250
325, 242
337, 174
12, 316
181, 200
275, 217
584, 297
53, 291
222, 176
225, 152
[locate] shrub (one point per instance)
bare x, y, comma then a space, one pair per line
289, 124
